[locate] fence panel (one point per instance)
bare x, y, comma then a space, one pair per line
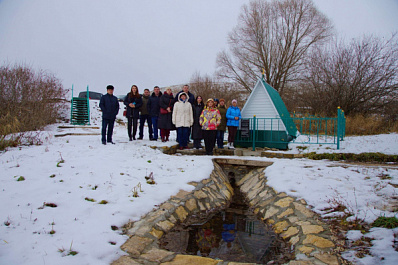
271, 132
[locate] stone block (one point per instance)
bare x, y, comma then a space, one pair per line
327, 258
294, 240
181, 213
205, 181
191, 204
312, 229
293, 219
144, 229
286, 213
253, 193
156, 255
167, 206
279, 227
318, 241
125, 260
227, 195
165, 226
249, 184
244, 179
156, 233
302, 201
135, 245
291, 231
173, 219
156, 216
199, 194
182, 194
304, 210
189, 259
193, 183
270, 212
306, 250
282, 195
201, 206
285, 202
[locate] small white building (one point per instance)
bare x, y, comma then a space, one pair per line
268, 117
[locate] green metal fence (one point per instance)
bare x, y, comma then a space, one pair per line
80, 110
271, 132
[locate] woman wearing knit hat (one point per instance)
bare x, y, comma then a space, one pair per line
233, 117
209, 120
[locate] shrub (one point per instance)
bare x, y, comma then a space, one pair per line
29, 101
387, 222
362, 157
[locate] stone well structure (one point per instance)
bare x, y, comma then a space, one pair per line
291, 219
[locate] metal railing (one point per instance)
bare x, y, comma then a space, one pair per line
311, 130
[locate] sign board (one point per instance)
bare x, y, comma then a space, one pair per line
244, 128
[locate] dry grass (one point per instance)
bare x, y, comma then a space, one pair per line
362, 125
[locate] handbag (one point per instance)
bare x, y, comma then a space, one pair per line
164, 111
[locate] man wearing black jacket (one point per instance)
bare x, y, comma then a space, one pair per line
154, 109
110, 108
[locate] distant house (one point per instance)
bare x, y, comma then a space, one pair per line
274, 127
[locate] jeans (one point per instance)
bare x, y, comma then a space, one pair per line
107, 123
148, 119
183, 135
155, 126
220, 139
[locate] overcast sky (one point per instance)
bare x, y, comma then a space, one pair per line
147, 43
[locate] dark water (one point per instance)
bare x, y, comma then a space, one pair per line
233, 234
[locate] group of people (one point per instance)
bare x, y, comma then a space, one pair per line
191, 117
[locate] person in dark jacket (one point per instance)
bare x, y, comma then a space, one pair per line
166, 104
144, 115
110, 108
185, 89
154, 109
133, 103
223, 125
197, 134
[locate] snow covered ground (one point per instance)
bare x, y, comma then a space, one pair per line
75, 173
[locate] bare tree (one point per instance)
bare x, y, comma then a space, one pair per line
209, 87
360, 77
274, 36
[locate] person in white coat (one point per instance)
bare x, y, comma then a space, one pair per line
183, 119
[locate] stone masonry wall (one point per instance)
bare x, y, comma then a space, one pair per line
291, 219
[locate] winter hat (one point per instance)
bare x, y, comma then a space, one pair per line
216, 100
221, 99
234, 100
210, 99
110, 87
